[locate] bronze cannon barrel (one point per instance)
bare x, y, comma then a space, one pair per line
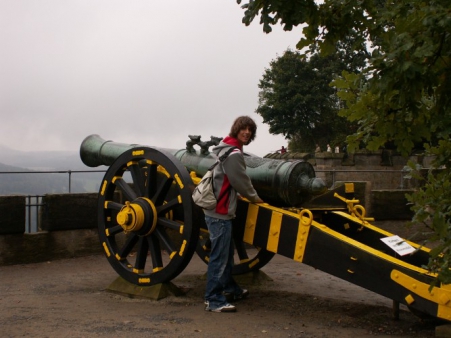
278, 182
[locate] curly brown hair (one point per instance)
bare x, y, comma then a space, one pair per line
241, 123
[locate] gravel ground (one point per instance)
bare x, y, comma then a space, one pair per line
68, 298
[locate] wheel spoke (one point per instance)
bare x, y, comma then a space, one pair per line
129, 193
114, 230
151, 174
241, 250
163, 209
141, 255
128, 246
168, 223
138, 179
155, 251
165, 240
162, 191
237, 235
113, 205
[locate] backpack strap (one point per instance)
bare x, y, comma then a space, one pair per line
222, 157
227, 153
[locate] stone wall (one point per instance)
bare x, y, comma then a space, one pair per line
384, 169
47, 246
12, 211
68, 228
390, 205
69, 212
361, 159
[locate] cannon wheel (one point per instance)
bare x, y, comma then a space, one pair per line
146, 219
246, 260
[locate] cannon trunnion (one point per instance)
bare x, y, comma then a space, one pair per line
149, 226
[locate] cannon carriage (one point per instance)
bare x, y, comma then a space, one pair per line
149, 226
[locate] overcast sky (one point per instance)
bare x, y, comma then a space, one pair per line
137, 71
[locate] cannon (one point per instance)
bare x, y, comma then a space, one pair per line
158, 215
280, 183
149, 227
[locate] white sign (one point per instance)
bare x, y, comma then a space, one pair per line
398, 244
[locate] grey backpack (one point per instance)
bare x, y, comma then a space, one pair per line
203, 194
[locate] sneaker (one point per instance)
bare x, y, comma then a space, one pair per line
225, 308
231, 297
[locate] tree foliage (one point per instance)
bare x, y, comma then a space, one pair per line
402, 97
296, 100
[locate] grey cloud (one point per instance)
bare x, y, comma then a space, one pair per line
140, 71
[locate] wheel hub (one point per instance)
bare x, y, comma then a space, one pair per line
137, 215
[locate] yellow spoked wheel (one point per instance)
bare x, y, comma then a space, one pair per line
146, 219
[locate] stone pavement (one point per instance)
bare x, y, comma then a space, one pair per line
68, 298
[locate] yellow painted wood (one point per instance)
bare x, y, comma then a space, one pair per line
251, 220
274, 232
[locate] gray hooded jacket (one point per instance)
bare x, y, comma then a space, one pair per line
230, 178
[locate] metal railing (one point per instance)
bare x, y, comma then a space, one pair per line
68, 172
32, 205
35, 202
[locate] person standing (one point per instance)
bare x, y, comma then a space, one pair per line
229, 181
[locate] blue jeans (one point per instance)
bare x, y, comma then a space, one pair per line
220, 265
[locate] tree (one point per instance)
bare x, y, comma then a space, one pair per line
296, 100
402, 97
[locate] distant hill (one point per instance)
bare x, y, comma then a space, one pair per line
44, 183
42, 160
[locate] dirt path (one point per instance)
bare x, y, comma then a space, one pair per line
67, 298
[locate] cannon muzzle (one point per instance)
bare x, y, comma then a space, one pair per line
280, 183
95, 151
